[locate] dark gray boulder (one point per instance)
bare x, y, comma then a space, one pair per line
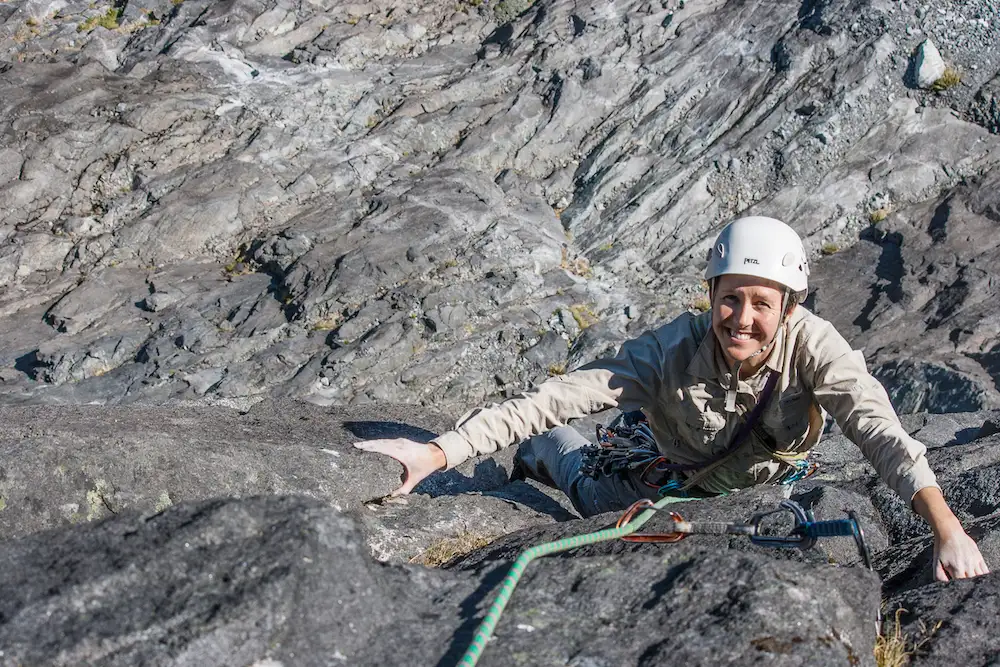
419, 527
287, 580
218, 583
739, 507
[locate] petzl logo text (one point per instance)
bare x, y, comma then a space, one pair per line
750, 260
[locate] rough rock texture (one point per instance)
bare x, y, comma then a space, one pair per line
286, 581
60, 466
437, 202
157, 571
406, 528
826, 503
235, 203
965, 611
916, 294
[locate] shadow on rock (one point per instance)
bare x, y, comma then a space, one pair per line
474, 475
374, 430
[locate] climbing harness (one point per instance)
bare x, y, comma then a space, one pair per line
627, 445
803, 535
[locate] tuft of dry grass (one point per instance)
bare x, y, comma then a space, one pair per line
450, 548
829, 248
879, 214
327, 323
578, 266
240, 264
895, 648
701, 304
584, 315
108, 20
949, 79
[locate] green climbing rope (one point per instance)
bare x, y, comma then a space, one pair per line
489, 622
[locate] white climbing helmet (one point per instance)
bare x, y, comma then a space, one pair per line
763, 247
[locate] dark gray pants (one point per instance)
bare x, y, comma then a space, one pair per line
556, 455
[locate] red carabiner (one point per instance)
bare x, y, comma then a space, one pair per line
662, 538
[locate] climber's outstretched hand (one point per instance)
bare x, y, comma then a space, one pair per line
956, 556
419, 459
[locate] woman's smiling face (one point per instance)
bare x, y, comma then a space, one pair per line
746, 313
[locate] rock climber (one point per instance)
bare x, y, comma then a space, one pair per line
732, 398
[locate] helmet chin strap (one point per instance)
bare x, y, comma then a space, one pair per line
734, 381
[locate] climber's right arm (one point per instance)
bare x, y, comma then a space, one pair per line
627, 380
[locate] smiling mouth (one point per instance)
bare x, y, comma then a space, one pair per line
740, 335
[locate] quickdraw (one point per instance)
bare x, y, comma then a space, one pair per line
803, 535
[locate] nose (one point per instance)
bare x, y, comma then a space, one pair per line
744, 315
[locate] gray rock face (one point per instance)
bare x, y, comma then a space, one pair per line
417, 527
437, 203
915, 295
229, 583
985, 107
286, 580
60, 466
169, 575
954, 619
825, 502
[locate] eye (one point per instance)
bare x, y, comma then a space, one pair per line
763, 305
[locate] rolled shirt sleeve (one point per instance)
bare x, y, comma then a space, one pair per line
843, 386
627, 380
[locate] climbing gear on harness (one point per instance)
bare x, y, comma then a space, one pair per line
808, 530
801, 469
625, 445
628, 444
762, 247
803, 534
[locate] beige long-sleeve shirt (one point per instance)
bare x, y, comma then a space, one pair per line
677, 375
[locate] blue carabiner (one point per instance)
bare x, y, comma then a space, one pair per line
807, 530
